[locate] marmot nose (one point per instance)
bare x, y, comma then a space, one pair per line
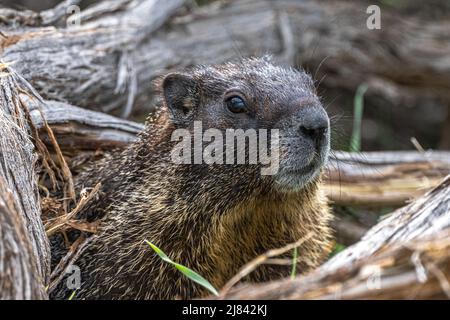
315, 127
314, 132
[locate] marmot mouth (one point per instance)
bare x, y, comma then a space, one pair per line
305, 170
295, 178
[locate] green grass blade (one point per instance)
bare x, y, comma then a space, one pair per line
191, 274
72, 295
358, 108
194, 276
159, 252
294, 263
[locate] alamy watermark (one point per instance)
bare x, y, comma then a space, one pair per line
229, 148
73, 13
374, 20
73, 281
373, 276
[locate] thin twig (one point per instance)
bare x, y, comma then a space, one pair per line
61, 221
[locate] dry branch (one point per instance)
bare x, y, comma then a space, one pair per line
407, 255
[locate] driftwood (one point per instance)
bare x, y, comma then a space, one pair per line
383, 178
407, 255
78, 129
108, 61
24, 249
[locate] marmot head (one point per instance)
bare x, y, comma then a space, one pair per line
254, 94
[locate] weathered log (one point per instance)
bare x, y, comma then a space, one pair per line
109, 61
78, 129
24, 248
407, 255
347, 229
383, 178
94, 64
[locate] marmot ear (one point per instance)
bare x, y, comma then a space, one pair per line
180, 94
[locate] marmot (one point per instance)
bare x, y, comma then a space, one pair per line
212, 218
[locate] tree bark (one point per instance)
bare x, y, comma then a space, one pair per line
24, 248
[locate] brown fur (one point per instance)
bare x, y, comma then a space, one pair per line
213, 219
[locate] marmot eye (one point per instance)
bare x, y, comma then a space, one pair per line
236, 104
